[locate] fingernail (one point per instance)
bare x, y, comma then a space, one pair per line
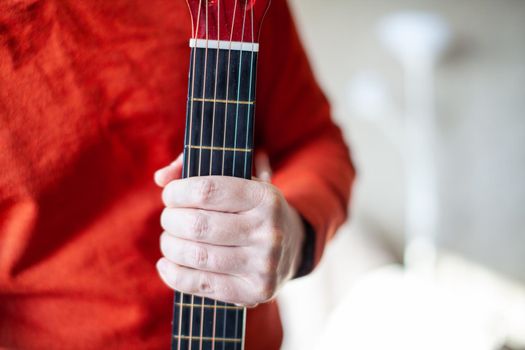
157, 177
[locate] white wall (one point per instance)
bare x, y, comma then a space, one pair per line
481, 119
480, 104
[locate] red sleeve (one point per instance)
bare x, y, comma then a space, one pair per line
309, 158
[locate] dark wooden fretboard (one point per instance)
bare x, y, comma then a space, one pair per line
218, 141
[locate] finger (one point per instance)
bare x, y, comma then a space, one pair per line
210, 227
206, 257
263, 167
227, 288
169, 173
219, 193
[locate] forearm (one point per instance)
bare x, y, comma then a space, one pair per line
316, 180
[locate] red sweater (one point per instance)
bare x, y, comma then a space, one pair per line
92, 101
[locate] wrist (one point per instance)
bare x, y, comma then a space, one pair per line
298, 238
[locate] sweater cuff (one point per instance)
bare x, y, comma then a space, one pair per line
308, 251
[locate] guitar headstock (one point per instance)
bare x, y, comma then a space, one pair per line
227, 20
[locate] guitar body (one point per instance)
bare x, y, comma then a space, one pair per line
218, 141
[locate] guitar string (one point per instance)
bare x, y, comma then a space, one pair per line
251, 108
238, 89
249, 116
211, 151
227, 87
192, 302
224, 138
235, 134
215, 85
188, 169
200, 150
203, 92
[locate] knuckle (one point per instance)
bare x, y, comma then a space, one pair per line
200, 257
204, 283
264, 286
227, 291
273, 204
260, 193
200, 226
270, 266
273, 197
277, 240
240, 262
266, 290
206, 190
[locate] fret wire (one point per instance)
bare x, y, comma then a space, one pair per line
190, 338
217, 148
217, 100
222, 307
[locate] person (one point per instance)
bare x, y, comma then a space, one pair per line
92, 103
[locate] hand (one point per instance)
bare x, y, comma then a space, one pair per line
226, 238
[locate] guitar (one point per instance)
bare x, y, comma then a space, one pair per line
218, 141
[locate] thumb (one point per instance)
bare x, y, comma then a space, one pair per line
169, 173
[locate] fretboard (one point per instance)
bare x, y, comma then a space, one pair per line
218, 141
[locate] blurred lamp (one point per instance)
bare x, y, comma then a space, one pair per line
417, 40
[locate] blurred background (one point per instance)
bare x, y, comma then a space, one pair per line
431, 98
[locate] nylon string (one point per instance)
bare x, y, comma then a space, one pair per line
238, 91
225, 311
200, 159
248, 135
189, 164
211, 153
249, 99
235, 137
188, 167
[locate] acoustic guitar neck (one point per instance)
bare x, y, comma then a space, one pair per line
218, 141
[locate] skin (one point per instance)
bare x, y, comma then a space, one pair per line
226, 238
